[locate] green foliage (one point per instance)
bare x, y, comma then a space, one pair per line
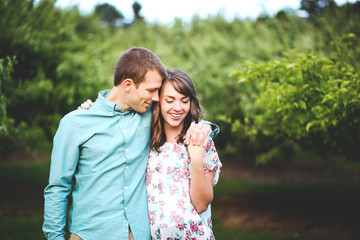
57, 66
7, 129
64, 57
108, 14
13, 134
136, 9
315, 7
300, 98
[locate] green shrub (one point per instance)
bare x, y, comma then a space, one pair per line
300, 99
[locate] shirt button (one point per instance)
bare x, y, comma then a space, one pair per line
126, 167
127, 150
125, 131
125, 208
125, 188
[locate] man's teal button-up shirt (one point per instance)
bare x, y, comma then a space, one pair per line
102, 155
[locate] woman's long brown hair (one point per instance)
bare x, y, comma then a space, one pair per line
184, 85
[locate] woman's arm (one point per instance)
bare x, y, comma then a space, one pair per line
201, 185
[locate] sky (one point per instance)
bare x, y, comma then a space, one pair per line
164, 11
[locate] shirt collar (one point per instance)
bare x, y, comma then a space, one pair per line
108, 105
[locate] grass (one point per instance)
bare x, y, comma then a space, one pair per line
235, 234
35, 175
31, 229
227, 187
324, 204
30, 173
21, 228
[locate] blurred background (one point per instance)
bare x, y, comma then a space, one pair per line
280, 78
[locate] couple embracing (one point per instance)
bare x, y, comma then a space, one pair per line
138, 164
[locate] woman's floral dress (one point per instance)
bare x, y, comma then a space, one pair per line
172, 216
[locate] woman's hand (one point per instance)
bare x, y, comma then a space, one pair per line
198, 134
86, 105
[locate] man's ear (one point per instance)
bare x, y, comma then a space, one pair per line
128, 84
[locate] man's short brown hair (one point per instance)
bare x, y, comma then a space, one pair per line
135, 63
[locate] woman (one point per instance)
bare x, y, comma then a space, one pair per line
180, 178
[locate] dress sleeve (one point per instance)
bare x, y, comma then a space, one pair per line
211, 161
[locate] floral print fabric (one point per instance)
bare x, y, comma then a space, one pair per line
172, 216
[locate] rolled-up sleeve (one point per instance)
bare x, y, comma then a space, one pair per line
215, 129
64, 160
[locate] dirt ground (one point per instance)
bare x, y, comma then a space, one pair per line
327, 215
332, 214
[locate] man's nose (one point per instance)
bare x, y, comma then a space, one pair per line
155, 97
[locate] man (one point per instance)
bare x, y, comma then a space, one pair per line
100, 157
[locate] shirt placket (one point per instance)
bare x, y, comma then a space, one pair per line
123, 125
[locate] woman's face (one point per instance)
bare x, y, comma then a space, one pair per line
174, 106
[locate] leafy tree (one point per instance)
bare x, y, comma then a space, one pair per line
108, 14
54, 67
316, 7
343, 19
136, 9
63, 57
7, 129
303, 99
